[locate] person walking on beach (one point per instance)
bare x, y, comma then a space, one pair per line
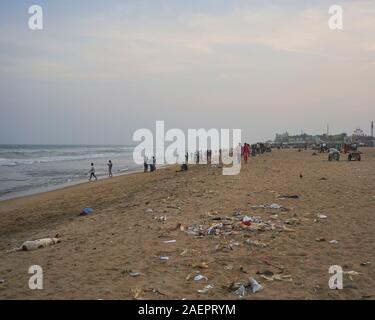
246, 152
110, 165
153, 163
238, 153
92, 172
145, 164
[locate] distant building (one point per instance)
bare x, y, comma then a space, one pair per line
359, 137
296, 140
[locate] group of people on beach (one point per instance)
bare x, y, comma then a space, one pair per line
151, 164
241, 151
92, 170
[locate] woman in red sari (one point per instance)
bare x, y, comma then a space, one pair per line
246, 152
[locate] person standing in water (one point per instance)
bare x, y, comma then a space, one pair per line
110, 165
92, 172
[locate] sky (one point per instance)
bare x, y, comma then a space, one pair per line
99, 70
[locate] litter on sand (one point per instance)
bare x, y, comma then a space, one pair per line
279, 277
164, 258
35, 244
268, 206
148, 210
136, 293
205, 289
255, 286
256, 243
161, 218
199, 277
333, 242
288, 196
322, 216
170, 241
201, 265
86, 211
134, 274
246, 221
240, 291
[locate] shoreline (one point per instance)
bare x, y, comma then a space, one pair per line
42, 190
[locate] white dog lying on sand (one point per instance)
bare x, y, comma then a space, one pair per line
36, 244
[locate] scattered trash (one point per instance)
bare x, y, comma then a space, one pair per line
365, 263
2, 281
279, 277
206, 288
195, 230
266, 273
148, 210
164, 258
136, 292
86, 211
246, 221
240, 291
333, 242
199, 277
215, 228
322, 216
287, 196
201, 265
275, 206
189, 252
162, 218
256, 243
255, 286
228, 267
170, 241
134, 274
36, 244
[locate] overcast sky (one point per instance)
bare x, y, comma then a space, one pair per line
102, 69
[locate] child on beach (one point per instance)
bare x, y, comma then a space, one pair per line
110, 165
92, 172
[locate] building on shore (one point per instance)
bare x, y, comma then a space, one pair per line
331, 140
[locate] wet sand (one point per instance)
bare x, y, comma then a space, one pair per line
98, 252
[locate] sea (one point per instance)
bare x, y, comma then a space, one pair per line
29, 169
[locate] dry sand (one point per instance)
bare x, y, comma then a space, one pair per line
97, 251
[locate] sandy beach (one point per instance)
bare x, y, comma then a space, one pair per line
99, 253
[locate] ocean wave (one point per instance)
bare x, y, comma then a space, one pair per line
16, 162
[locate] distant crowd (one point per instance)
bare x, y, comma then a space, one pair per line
241, 151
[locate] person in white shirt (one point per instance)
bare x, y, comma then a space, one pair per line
92, 172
